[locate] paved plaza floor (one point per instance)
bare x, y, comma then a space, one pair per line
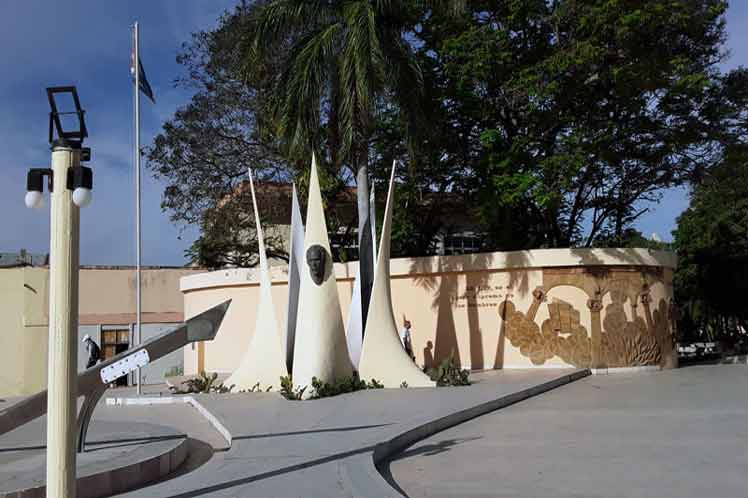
323, 448
679, 433
118, 438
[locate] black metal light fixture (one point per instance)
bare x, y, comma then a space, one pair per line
35, 187
79, 178
74, 136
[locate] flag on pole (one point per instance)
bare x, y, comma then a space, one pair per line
145, 87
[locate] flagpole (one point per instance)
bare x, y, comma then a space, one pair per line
138, 237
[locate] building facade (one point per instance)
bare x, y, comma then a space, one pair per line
459, 232
106, 314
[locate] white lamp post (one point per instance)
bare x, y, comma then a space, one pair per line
70, 188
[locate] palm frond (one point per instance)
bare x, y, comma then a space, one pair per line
278, 19
303, 83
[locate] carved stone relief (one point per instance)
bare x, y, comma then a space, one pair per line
614, 341
561, 334
626, 343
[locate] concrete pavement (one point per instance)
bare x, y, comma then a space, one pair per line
324, 448
124, 445
678, 433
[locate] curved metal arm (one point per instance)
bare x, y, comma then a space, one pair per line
91, 382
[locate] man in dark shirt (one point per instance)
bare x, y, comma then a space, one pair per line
94, 352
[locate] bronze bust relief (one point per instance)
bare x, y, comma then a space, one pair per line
316, 258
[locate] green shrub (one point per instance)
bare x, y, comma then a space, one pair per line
343, 385
448, 373
204, 383
321, 389
287, 389
255, 389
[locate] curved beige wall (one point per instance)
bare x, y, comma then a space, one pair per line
24, 308
454, 303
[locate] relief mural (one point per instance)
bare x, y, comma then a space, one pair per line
614, 341
560, 335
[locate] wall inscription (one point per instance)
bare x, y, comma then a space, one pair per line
480, 296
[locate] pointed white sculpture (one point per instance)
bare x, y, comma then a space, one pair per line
382, 355
354, 328
264, 360
295, 263
320, 347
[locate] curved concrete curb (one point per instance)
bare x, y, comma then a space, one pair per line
169, 400
383, 452
118, 480
626, 370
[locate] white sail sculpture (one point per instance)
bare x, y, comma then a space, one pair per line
354, 332
382, 355
264, 362
295, 263
320, 348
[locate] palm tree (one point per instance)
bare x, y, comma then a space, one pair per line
337, 60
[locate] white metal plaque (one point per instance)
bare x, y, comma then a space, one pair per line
124, 366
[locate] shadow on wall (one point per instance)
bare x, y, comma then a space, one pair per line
498, 361
440, 277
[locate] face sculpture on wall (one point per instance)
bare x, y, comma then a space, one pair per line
316, 258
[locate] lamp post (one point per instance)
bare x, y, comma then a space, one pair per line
70, 188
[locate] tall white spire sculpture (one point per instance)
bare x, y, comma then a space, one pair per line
354, 328
320, 347
264, 362
382, 354
295, 263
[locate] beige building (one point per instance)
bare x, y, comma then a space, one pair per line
107, 314
460, 231
600, 308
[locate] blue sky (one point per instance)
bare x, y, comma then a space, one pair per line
87, 43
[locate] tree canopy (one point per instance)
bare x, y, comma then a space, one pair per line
551, 123
712, 244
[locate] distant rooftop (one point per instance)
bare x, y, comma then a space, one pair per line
22, 258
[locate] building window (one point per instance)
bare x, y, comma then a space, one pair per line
464, 243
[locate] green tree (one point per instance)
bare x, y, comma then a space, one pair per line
557, 123
341, 57
574, 116
204, 150
712, 243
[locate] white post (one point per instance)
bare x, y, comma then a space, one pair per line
63, 328
137, 201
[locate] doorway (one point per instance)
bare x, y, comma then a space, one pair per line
113, 342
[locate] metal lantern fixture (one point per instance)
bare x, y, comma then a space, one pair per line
79, 178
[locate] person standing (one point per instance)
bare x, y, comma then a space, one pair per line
94, 352
406, 339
